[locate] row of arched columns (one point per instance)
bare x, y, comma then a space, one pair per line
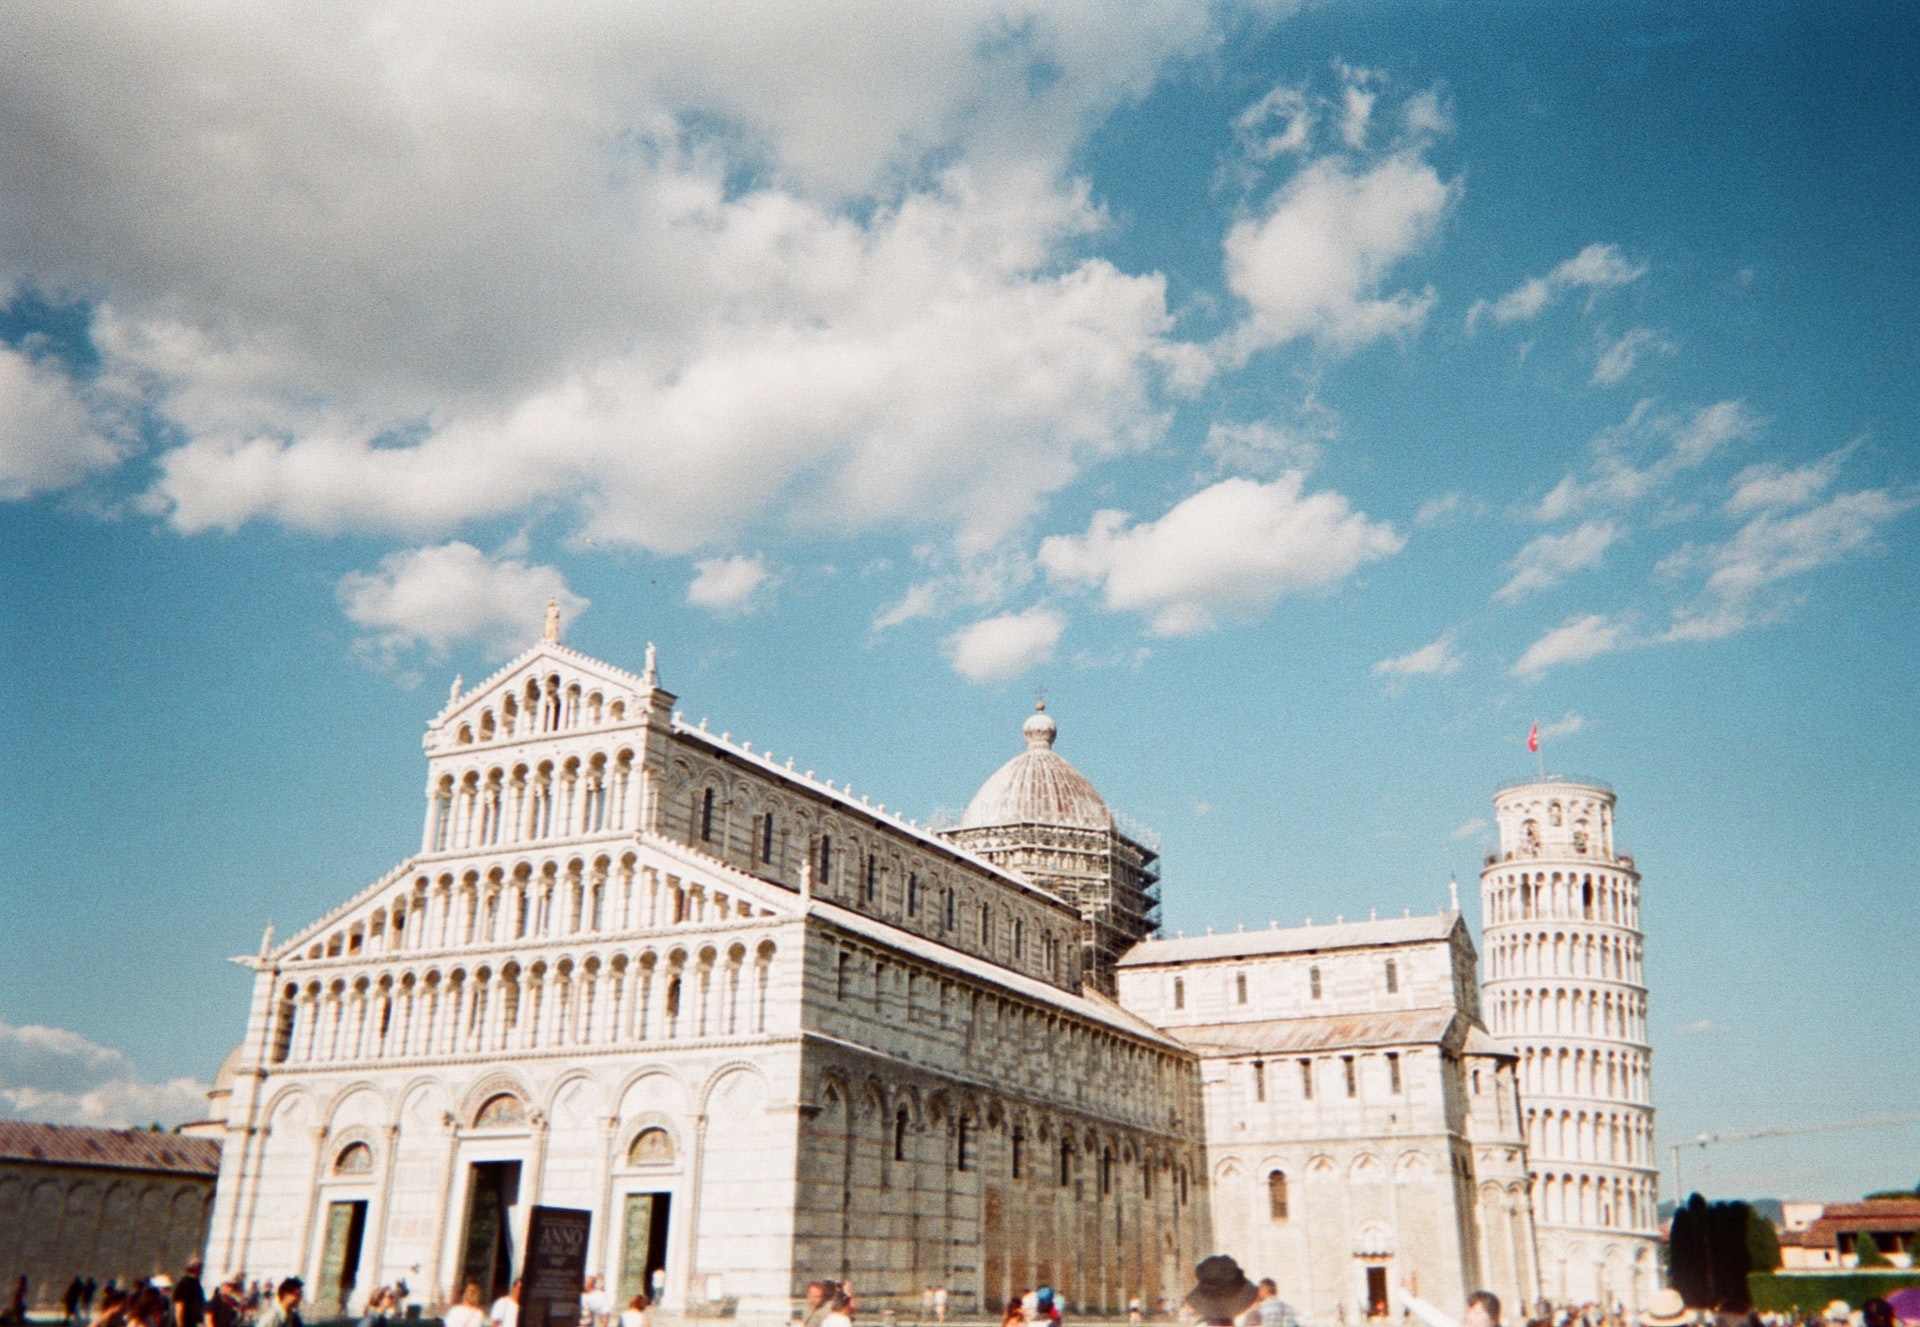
1584, 1071
1595, 1201
703, 991
1620, 1137
1597, 896
1563, 953
1569, 1011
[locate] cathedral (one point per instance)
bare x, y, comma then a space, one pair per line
765, 1031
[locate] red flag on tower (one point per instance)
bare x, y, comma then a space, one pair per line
1533, 736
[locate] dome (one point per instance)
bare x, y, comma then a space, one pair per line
1037, 787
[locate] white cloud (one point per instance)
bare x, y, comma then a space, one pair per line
1229, 551
1002, 647
1618, 358
1469, 829
438, 596
49, 435
1622, 473
1573, 641
61, 1077
1565, 726
1264, 448
1550, 559
728, 585
1356, 110
1444, 510
816, 274
1774, 546
1314, 261
1436, 659
1596, 267
1698, 1028
1278, 124
1767, 485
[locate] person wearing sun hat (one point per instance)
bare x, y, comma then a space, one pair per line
1666, 1309
1221, 1291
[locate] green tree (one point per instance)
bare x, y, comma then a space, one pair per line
1763, 1244
1869, 1250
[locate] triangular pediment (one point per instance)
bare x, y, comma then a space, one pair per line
539, 663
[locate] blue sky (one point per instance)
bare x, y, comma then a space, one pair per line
1308, 399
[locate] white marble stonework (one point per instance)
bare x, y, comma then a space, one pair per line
1564, 985
764, 1031
644, 970
1363, 1129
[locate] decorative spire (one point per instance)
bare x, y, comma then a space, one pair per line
1453, 894
454, 694
553, 622
652, 676
266, 941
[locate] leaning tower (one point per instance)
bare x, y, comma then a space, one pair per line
1560, 908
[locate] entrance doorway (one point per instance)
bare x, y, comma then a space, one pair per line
486, 1249
1376, 1292
643, 1245
340, 1260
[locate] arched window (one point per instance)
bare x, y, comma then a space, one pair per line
826, 859
900, 1136
706, 816
1019, 1140
1553, 815
1179, 993
1240, 987
963, 1140
1259, 1081
766, 838
1276, 1196
499, 1112
913, 894
1066, 1163
354, 1159
1106, 1172
650, 1147
873, 877
1393, 977
1313, 981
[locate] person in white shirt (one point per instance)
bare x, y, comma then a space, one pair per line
506, 1309
635, 1313
1483, 1310
467, 1312
596, 1305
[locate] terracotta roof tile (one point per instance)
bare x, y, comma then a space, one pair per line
113, 1149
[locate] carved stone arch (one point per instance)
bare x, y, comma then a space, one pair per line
629, 1088
1411, 1162
629, 1137
380, 1104
418, 1085
567, 1080
488, 1086
1320, 1165
995, 1115
1228, 1168
939, 1108
1365, 1165
290, 1096
1373, 1239
342, 1159
907, 1098
720, 1074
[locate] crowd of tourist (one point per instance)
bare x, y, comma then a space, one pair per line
1222, 1296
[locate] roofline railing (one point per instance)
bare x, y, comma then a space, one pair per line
1578, 780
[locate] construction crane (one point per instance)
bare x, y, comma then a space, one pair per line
1706, 1140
